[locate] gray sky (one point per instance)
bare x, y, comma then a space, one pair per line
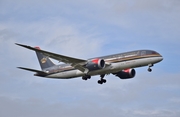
85, 29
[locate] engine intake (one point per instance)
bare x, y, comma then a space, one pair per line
95, 64
126, 74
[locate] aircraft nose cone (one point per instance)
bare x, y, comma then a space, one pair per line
161, 58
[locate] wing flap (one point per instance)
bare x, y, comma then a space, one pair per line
81, 68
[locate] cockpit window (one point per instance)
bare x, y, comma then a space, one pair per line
149, 52
153, 52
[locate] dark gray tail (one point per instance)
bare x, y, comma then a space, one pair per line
44, 61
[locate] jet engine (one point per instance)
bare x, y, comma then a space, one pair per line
126, 74
95, 64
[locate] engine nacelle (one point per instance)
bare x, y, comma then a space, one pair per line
126, 74
95, 64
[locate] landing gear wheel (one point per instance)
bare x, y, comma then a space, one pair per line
100, 82
149, 69
104, 80
86, 77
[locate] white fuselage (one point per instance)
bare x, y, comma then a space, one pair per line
112, 68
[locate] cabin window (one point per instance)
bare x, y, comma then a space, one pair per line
143, 53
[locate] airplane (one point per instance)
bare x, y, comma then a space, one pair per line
121, 65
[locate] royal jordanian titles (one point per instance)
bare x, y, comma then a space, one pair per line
121, 65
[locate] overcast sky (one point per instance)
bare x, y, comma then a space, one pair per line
86, 29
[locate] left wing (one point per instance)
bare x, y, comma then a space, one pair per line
76, 63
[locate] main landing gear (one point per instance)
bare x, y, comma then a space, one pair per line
149, 67
86, 77
101, 81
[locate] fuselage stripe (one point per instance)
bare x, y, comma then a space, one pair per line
113, 60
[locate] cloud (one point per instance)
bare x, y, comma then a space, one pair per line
145, 5
142, 19
57, 33
164, 113
137, 97
143, 91
86, 29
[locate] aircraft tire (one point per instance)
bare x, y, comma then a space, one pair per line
100, 82
149, 69
84, 78
104, 80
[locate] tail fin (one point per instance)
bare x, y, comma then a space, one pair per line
44, 61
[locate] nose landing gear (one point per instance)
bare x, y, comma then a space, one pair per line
149, 67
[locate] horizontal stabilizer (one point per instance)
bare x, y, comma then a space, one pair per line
39, 73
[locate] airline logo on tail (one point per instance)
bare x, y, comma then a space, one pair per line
43, 60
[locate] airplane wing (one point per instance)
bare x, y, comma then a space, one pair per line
77, 63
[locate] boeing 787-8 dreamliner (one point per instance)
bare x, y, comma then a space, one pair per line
121, 65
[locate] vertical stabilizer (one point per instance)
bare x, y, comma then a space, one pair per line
44, 61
